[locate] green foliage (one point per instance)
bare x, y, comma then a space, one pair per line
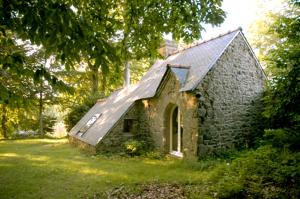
25, 83
49, 122
262, 173
77, 112
282, 138
282, 97
268, 173
143, 146
225, 153
72, 29
15, 73
138, 68
277, 39
32, 124
134, 147
154, 154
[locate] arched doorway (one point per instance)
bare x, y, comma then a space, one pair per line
176, 132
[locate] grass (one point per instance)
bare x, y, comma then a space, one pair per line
50, 168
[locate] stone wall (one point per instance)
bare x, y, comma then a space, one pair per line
82, 145
228, 99
115, 139
154, 116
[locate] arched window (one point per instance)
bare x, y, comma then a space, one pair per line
176, 132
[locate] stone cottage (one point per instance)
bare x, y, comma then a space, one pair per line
197, 100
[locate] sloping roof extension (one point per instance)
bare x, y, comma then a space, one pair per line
199, 58
116, 105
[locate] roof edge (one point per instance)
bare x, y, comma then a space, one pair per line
163, 80
253, 54
215, 61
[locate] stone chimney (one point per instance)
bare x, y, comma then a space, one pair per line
168, 47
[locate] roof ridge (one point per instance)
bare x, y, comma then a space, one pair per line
197, 43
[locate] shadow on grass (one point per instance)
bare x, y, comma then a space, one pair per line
48, 168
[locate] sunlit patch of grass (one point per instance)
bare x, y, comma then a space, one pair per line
8, 155
93, 171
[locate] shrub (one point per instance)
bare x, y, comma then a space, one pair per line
134, 147
266, 173
49, 123
282, 138
75, 115
154, 154
79, 110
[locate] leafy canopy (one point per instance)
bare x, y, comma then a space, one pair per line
106, 30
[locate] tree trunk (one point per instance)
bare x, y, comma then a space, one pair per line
41, 122
3, 121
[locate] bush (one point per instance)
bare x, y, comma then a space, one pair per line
134, 147
76, 113
28, 127
224, 153
49, 123
263, 173
282, 138
267, 172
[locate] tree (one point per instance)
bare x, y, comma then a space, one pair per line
15, 77
48, 86
24, 81
106, 32
282, 98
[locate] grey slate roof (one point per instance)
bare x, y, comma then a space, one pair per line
199, 58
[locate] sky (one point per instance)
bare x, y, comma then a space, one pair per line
241, 13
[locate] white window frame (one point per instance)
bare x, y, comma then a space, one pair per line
88, 124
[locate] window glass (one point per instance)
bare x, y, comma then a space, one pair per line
128, 126
89, 123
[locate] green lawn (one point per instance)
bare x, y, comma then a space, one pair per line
46, 168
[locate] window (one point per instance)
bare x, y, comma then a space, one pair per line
128, 126
176, 133
89, 123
